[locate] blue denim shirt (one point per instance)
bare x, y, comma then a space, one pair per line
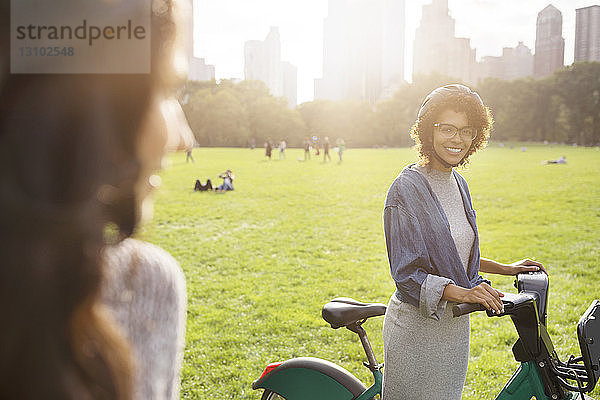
422, 255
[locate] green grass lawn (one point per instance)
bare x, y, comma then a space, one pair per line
262, 260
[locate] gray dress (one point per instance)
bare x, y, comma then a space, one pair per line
426, 358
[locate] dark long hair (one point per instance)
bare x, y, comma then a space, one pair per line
64, 139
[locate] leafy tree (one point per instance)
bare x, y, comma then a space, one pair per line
563, 107
578, 86
230, 114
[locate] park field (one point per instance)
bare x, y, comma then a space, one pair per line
262, 260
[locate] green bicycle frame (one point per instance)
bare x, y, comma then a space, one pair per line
540, 372
525, 383
375, 389
312, 378
306, 383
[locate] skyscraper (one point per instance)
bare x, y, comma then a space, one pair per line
515, 62
254, 60
549, 43
518, 62
198, 70
334, 51
437, 49
587, 34
363, 49
262, 61
392, 48
272, 62
290, 78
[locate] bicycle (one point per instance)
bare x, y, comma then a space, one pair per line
541, 374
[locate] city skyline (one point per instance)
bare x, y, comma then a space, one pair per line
262, 61
363, 50
222, 27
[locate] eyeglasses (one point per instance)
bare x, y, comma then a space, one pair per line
447, 131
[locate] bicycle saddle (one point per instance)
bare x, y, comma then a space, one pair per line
343, 311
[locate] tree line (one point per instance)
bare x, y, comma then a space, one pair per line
563, 107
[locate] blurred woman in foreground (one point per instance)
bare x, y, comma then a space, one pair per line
86, 312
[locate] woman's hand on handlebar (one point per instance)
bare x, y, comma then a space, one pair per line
527, 265
482, 294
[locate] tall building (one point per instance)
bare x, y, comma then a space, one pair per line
392, 47
587, 34
253, 60
489, 67
518, 62
549, 43
200, 71
334, 52
290, 88
436, 49
515, 62
272, 62
262, 61
363, 49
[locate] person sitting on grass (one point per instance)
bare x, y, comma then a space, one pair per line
227, 177
562, 160
199, 187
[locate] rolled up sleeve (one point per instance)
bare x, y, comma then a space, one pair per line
431, 304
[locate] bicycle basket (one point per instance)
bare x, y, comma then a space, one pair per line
588, 332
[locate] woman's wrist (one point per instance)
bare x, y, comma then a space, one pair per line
494, 267
454, 293
505, 269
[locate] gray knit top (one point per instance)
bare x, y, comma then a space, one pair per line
446, 189
144, 288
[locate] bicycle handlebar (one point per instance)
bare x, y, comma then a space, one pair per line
509, 301
466, 308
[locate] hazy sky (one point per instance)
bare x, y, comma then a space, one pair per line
222, 27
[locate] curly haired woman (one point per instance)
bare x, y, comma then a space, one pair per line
433, 251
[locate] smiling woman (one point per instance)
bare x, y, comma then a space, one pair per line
433, 252
459, 99
451, 144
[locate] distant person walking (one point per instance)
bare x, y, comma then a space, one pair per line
326, 146
252, 143
188, 156
341, 147
282, 147
268, 148
306, 148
